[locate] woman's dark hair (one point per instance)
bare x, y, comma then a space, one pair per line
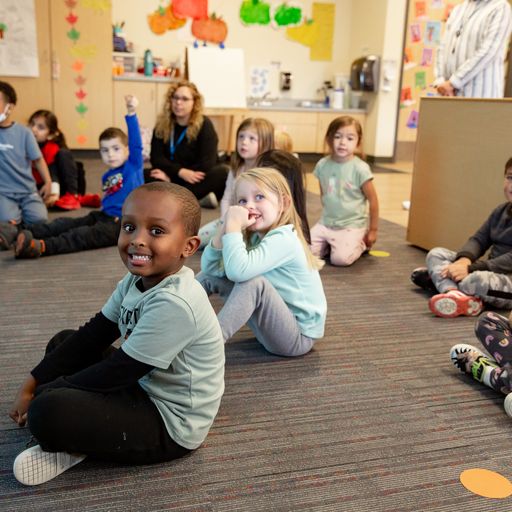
508, 165
53, 126
291, 168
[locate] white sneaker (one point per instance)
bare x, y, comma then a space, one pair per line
508, 404
35, 466
209, 201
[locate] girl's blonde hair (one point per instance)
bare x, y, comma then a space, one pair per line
341, 122
265, 131
283, 141
166, 120
273, 181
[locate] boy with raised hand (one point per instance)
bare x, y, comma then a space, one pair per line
123, 155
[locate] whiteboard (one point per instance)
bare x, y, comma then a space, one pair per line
219, 74
18, 38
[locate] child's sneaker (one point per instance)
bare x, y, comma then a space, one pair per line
35, 466
8, 234
209, 201
507, 404
455, 303
67, 202
420, 277
91, 200
459, 354
27, 246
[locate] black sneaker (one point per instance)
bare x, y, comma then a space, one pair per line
8, 234
421, 278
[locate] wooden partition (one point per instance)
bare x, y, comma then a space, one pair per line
461, 150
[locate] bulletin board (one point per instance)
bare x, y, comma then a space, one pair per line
425, 27
219, 74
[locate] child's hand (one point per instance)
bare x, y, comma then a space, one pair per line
46, 191
18, 411
131, 103
370, 238
457, 270
237, 219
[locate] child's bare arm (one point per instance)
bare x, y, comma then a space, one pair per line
19, 408
373, 202
41, 166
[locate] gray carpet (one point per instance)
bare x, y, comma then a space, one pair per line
374, 419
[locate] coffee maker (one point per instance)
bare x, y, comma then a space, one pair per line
364, 74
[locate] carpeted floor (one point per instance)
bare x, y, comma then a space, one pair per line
374, 419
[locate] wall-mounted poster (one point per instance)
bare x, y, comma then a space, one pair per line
18, 42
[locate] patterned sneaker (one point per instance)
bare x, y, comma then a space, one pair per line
420, 277
459, 355
35, 466
67, 202
8, 234
209, 201
27, 246
455, 303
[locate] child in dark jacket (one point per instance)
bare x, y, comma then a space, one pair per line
465, 282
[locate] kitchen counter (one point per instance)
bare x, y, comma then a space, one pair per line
298, 105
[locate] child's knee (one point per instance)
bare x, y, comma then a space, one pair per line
474, 284
435, 254
345, 258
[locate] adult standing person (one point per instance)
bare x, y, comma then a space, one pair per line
470, 58
184, 146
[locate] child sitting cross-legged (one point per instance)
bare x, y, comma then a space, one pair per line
462, 281
123, 155
155, 398
261, 266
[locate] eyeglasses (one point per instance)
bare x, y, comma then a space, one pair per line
184, 99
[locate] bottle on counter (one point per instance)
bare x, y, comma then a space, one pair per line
337, 99
148, 63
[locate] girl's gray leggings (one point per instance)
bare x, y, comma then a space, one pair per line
257, 303
493, 288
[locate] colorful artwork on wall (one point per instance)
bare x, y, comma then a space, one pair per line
255, 12
164, 19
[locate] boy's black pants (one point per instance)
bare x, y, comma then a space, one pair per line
120, 426
68, 234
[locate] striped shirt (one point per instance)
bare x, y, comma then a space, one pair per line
472, 52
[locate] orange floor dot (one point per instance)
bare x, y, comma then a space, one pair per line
486, 483
379, 254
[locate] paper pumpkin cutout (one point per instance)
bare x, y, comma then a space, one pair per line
286, 15
195, 9
164, 19
212, 30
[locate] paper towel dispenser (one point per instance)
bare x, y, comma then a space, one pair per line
364, 74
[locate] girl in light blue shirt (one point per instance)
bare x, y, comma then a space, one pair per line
262, 267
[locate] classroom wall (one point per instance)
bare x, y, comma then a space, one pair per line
263, 45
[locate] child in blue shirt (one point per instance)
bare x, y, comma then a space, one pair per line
260, 263
155, 398
98, 229
19, 198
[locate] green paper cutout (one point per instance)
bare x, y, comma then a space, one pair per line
285, 15
81, 109
73, 34
255, 12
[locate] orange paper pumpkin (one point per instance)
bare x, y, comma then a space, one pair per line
195, 9
173, 22
213, 30
158, 22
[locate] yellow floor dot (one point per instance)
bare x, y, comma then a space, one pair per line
486, 483
379, 254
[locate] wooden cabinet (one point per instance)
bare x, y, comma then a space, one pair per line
301, 126
75, 63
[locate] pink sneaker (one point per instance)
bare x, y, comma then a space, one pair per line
455, 303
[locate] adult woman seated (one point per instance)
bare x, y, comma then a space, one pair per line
184, 146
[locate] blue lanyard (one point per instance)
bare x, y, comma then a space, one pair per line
172, 146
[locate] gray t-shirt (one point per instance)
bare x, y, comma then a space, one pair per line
173, 327
18, 147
